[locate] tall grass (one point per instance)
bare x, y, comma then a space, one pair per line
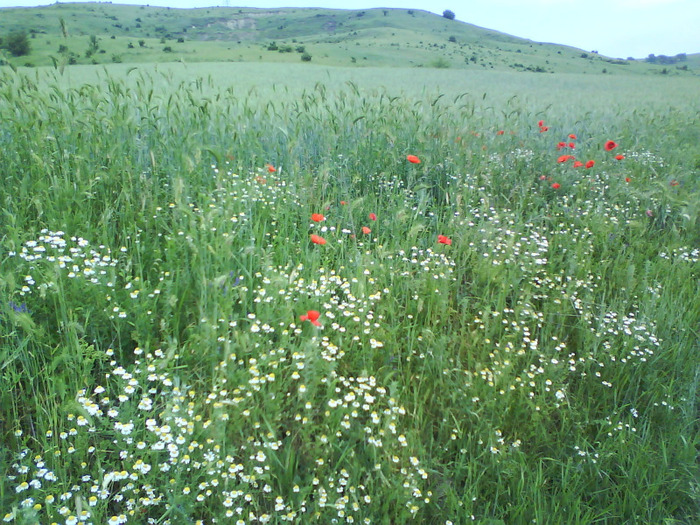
537, 365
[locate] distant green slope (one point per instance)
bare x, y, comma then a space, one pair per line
97, 33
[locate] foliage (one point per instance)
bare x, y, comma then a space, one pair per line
448, 14
342, 302
17, 43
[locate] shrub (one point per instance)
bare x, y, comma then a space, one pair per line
448, 14
17, 44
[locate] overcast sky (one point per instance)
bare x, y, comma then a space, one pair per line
616, 28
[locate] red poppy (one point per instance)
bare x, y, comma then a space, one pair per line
610, 145
572, 136
442, 239
590, 164
561, 145
366, 230
317, 217
372, 217
565, 158
572, 145
543, 177
271, 168
627, 179
317, 239
556, 185
312, 317
500, 132
540, 123
578, 164
619, 157
674, 182
544, 128
412, 159
343, 203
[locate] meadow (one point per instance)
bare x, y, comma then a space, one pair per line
240, 293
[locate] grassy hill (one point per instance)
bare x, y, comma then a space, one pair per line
63, 34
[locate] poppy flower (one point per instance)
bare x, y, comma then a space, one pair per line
674, 182
317, 217
412, 159
372, 217
561, 146
543, 177
312, 317
556, 185
442, 239
540, 123
627, 179
366, 230
619, 157
578, 164
317, 239
271, 168
544, 128
572, 136
572, 145
500, 132
565, 158
590, 164
610, 145
343, 203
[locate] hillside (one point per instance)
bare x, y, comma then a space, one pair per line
97, 33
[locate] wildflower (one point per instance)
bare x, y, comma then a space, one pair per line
540, 123
619, 157
343, 203
366, 230
317, 217
565, 158
578, 164
271, 168
674, 182
590, 164
650, 213
317, 239
561, 146
311, 316
442, 239
544, 129
610, 145
556, 185
372, 217
572, 136
543, 177
413, 159
627, 179
500, 132
572, 145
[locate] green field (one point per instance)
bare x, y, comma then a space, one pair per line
503, 336
65, 34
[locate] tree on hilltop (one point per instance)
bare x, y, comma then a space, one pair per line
448, 14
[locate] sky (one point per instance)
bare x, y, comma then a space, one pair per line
614, 28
